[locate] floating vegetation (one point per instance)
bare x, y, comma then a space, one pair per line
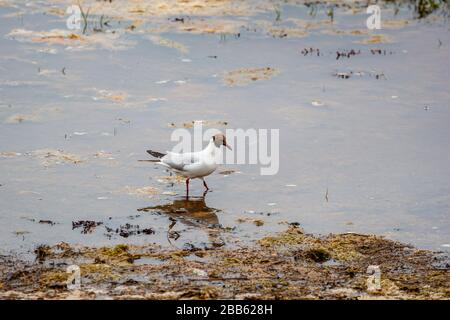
310, 51
380, 52
315, 103
169, 43
174, 178
128, 230
207, 123
286, 32
9, 154
233, 43
114, 96
211, 26
347, 54
395, 24
19, 118
349, 74
72, 40
142, 191
55, 36
227, 172
245, 76
88, 226
49, 222
103, 154
278, 31
37, 116
50, 157
340, 32
377, 39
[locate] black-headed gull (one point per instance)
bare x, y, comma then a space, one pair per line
193, 165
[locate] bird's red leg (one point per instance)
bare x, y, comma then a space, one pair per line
187, 188
206, 186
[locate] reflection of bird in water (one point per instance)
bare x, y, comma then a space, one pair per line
193, 165
192, 212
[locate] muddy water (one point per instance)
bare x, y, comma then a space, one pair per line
369, 153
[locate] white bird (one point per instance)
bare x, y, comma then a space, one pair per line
193, 165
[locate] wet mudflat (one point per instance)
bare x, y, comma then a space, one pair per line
288, 265
363, 118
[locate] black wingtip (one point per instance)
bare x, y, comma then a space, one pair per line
155, 154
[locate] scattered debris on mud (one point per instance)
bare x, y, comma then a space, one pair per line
288, 265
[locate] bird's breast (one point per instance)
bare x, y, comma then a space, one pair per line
203, 170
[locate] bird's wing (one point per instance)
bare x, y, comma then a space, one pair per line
156, 154
179, 161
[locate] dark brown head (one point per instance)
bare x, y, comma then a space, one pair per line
220, 140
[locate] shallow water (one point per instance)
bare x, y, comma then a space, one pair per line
379, 146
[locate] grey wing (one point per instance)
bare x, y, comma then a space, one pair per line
179, 161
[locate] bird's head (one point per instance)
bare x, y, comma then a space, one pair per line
220, 140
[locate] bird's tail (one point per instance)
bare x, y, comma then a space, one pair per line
155, 154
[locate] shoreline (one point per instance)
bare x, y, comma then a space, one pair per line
287, 265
